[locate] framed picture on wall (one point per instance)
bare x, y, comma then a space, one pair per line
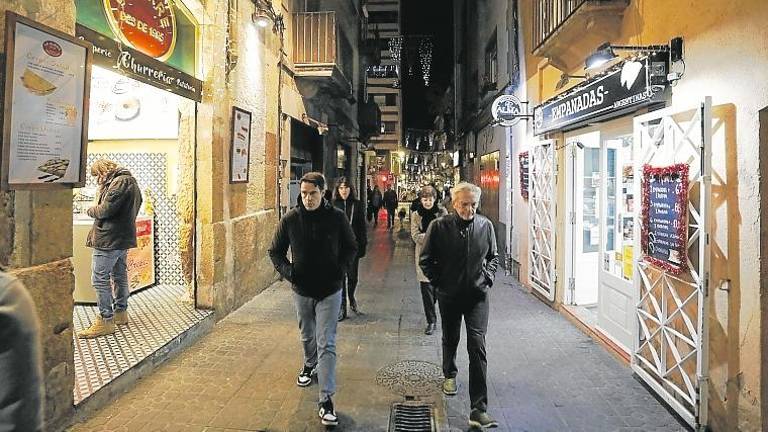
240, 150
45, 115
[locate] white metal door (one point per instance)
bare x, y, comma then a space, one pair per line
670, 347
541, 218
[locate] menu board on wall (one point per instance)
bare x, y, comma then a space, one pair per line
47, 80
524, 174
241, 143
665, 217
123, 108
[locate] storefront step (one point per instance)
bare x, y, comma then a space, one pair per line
161, 326
595, 334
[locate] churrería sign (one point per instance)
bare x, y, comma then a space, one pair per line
153, 41
627, 87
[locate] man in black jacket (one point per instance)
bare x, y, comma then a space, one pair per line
323, 247
390, 203
459, 257
112, 234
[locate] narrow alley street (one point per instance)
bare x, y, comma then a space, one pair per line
544, 375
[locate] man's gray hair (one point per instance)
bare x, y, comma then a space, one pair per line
466, 187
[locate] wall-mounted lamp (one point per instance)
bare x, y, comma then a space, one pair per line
578, 144
266, 14
606, 52
565, 78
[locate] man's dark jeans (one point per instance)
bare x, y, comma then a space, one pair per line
475, 313
391, 216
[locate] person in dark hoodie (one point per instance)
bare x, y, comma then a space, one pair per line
345, 199
459, 257
323, 248
112, 234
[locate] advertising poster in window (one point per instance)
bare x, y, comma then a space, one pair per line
123, 108
240, 148
141, 259
47, 81
665, 217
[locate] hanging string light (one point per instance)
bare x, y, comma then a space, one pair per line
425, 55
395, 48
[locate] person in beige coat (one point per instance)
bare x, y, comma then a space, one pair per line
425, 213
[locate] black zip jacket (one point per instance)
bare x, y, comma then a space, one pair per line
356, 215
114, 225
322, 249
460, 257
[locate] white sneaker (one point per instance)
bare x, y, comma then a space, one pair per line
305, 376
327, 414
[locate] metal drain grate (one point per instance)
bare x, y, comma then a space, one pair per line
412, 417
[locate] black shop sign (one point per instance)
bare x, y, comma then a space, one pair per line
141, 67
628, 87
665, 217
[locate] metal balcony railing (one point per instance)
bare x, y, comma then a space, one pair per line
549, 16
314, 38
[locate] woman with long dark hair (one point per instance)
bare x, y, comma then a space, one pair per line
426, 212
345, 199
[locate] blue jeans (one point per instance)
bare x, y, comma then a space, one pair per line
108, 266
317, 323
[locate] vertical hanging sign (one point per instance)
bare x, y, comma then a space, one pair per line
524, 175
665, 217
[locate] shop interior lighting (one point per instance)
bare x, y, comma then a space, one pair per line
607, 52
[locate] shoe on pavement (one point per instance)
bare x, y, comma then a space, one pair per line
353, 306
121, 318
327, 413
481, 419
305, 376
450, 387
430, 329
99, 327
342, 313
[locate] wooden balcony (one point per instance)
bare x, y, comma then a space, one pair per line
321, 55
567, 31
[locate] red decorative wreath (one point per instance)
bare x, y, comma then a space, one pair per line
678, 171
523, 159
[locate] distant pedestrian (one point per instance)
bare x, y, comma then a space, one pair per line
112, 234
323, 248
447, 199
369, 203
424, 214
390, 202
459, 258
345, 199
376, 202
21, 375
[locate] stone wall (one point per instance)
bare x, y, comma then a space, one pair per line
35, 248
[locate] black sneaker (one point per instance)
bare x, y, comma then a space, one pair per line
327, 414
481, 419
305, 376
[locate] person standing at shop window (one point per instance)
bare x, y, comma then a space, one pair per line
459, 258
112, 234
21, 382
323, 248
427, 211
345, 199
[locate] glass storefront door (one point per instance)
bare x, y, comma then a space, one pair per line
615, 305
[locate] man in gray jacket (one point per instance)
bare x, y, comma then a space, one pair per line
459, 257
113, 233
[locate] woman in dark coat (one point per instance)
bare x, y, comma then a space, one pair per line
344, 198
427, 211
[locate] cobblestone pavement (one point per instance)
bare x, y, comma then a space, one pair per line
544, 374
